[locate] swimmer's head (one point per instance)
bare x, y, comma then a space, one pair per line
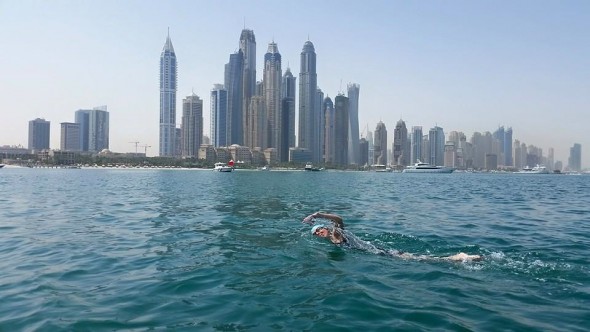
320, 230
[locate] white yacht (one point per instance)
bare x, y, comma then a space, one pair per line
421, 167
535, 170
222, 167
309, 167
381, 168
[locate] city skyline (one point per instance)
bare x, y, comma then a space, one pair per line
526, 73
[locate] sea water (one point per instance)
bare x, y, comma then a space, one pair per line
120, 249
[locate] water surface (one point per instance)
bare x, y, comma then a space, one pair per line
97, 249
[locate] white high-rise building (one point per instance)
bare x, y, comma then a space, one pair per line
272, 97
307, 94
70, 137
168, 80
353, 124
218, 126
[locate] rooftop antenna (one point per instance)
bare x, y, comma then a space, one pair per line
244, 22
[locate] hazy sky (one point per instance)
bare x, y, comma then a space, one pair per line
462, 65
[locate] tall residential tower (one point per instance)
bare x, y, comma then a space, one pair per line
288, 111
307, 94
353, 124
248, 84
272, 97
168, 80
192, 126
39, 134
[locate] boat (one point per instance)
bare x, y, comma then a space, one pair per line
539, 169
1, 165
309, 167
382, 168
222, 167
421, 167
265, 168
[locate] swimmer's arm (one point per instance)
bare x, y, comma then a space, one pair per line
336, 236
336, 219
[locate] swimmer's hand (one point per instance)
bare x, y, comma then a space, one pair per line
309, 219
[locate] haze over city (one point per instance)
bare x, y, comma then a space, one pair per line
461, 65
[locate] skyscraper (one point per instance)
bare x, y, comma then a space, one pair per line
508, 161
94, 129
353, 123
82, 118
575, 158
416, 143
364, 151
233, 84
168, 80
98, 129
70, 137
272, 97
218, 126
257, 134
400, 141
380, 145
192, 126
499, 135
288, 106
329, 133
319, 125
436, 139
39, 134
307, 94
248, 77
371, 141
341, 130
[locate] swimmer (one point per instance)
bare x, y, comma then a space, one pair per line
337, 235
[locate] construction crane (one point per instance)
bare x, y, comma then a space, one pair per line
145, 147
136, 143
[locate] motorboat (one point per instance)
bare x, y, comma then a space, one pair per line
309, 167
539, 169
1, 165
421, 167
382, 168
222, 167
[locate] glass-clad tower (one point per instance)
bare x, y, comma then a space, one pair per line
192, 126
307, 94
416, 143
436, 140
341, 130
218, 127
272, 96
288, 113
353, 124
39, 134
168, 80
248, 83
575, 158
